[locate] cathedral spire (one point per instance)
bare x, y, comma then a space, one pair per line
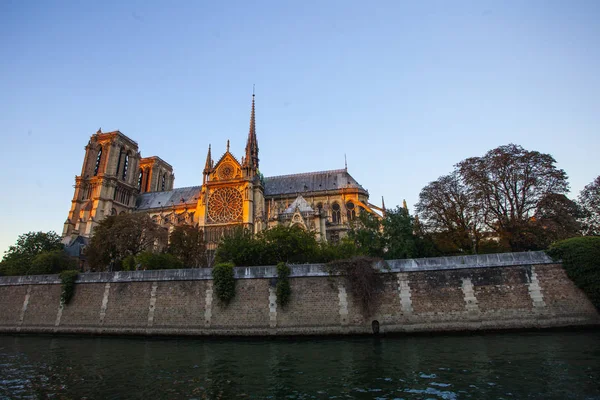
251, 159
208, 164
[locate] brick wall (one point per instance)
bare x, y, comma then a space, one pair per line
521, 296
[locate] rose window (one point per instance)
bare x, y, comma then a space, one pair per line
226, 171
225, 205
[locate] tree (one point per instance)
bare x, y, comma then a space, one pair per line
390, 237
589, 199
18, 259
240, 248
508, 183
119, 236
556, 218
288, 244
366, 233
449, 212
186, 243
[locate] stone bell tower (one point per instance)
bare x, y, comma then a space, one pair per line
108, 184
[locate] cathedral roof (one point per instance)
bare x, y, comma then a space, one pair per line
187, 195
310, 182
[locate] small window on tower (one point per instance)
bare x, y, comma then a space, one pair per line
164, 178
98, 159
140, 178
125, 166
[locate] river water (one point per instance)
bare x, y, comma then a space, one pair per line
547, 365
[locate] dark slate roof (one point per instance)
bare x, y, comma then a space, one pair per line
310, 182
150, 200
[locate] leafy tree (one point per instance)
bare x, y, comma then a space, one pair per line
119, 236
269, 247
186, 243
398, 230
147, 260
288, 244
366, 233
508, 183
451, 214
240, 248
18, 258
556, 218
52, 262
390, 237
589, 199
581, 259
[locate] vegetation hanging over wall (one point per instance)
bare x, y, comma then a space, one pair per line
36, 253
68, 279
581, 259
283, 288
224, 281
363, 280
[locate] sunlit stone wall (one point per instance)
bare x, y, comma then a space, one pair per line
507, 291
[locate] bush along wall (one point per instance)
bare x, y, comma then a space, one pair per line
68, 279
581, 260
283, 288
224, 281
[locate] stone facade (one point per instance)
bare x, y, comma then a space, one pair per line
115, 179
418, 296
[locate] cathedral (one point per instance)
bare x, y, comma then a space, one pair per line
116, 179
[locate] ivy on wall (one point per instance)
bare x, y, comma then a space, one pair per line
363, 280
224, 281
68, 279
283, 288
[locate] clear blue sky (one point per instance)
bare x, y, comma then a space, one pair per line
404, 89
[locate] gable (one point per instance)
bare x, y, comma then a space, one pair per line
226, 168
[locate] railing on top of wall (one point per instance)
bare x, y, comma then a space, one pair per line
298, 270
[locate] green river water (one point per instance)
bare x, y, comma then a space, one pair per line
523, 365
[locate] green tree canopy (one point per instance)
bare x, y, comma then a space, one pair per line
509, 199
186, 243
589, 199
18, 258
119, 236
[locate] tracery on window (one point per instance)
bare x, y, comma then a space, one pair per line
336, 214
320, 207
162, 185
350, 211
225, 205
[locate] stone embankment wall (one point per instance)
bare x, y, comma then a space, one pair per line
502, 291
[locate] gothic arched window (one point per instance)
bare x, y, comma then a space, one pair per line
336, 214
119, 160
162, 185
125, 166
98, 159
140, 178
350, 211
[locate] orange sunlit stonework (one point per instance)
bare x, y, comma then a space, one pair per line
116, 179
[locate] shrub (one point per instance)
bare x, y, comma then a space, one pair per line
364, 280
283, 288
68, 279
581, 259
51, 262
224, 281
129, 263
149, 260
